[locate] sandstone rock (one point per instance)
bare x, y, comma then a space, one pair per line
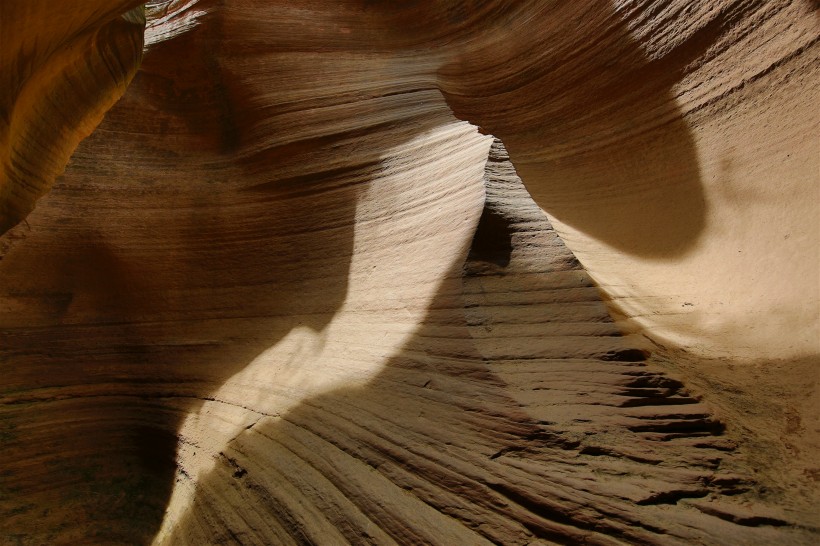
62, 67
287, 292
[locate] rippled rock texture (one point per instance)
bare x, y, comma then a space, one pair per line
291, 290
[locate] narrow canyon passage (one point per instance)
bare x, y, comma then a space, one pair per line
440, 272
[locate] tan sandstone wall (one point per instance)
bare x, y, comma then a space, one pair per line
288, 292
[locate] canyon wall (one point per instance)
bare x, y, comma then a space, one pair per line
293, 290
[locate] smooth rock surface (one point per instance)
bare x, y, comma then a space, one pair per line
62, 67
287, 293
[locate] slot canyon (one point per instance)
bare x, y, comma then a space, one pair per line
448, 272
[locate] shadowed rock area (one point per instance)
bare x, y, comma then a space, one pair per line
440, 272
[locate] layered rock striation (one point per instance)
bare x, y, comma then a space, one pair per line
288, 292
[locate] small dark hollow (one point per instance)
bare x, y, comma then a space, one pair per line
492, 241
626, 355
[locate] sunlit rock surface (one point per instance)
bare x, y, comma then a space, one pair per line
291, 290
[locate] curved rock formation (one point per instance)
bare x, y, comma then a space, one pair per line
287, 293
62, 67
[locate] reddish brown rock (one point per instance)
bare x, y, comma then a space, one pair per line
62, 67
286, 293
